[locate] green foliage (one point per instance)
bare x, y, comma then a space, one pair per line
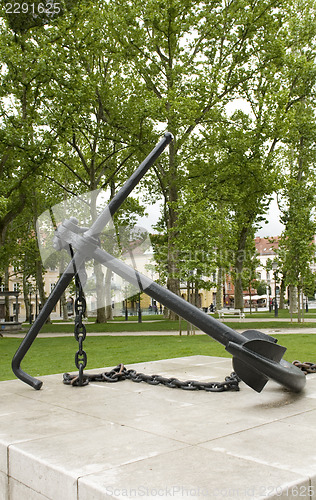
261, 287
31, 14
86, 93
297, 245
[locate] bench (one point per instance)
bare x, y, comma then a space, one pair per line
10, 326
226, 313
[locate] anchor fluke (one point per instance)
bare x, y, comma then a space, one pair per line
255, 361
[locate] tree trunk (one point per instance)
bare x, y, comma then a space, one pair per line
98, 272
40, 283
63, 301
189, 326
101, 313
299, 311
282, 292
239, 264
6, 298
64, 310
219, 289
293, 299
108, 297
39, 270
173, 283
26, 297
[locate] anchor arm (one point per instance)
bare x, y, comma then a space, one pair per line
34, 330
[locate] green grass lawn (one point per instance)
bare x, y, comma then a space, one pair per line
56, 355
157, 322
271, 325
117, 326
282, 313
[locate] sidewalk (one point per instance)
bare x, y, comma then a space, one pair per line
243, 326
276, 331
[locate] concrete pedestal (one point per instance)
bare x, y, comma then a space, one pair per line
137, 441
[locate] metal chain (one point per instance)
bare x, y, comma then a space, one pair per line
80, 335
120, 372
306, 367
80, 331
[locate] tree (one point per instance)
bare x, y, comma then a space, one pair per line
297, 245
100, 136
240, 152
25, 144
71, 107
192, 57
233, 171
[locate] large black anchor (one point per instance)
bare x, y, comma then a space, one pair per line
256, 356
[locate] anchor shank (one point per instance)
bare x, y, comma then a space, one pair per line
187, 311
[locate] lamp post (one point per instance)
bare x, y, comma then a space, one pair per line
30, 302
125, 304
126, 310
275, 272
268, 294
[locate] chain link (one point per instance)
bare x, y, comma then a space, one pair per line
120, 372
306, 367
80, 331
80, 335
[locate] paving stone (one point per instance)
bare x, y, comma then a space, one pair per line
52, 465
129, 440
192, 473
4, 495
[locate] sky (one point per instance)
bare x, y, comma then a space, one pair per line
274, 226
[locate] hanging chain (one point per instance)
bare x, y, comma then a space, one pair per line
120, 372
80, 334
80, 331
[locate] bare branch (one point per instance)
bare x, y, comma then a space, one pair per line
73, 172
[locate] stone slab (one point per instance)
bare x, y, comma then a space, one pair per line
127, 440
